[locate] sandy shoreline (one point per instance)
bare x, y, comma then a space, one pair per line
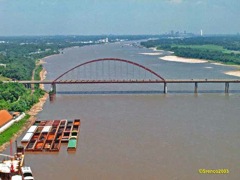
151, 54
233, 73
43, 73
192, 60
36, 108
48, 57
221, 64
182, 60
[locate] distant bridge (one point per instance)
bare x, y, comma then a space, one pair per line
167, 81
117, 71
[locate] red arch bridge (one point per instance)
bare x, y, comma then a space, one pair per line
114, 70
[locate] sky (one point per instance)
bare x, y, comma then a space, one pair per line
120, 17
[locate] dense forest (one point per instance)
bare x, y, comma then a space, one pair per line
15, 97
224, 49
18, 55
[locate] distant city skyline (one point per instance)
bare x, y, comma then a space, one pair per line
120, 17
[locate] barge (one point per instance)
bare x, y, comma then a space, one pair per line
48, 135
72, 142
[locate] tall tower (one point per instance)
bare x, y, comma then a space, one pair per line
201, 32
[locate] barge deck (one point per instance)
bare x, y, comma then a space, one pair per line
47, 135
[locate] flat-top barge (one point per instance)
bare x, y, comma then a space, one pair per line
72, 143
48, 135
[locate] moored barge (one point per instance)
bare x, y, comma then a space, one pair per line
48, 135
72, 143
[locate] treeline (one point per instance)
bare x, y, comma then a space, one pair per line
207, 54
15, 97
228, 51
18, 54
18, 61
227, 42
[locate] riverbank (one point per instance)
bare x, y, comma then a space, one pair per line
172, 58
158, 50
39, 106
152, 54
182, 60
36, 108
13, 133
43, 72
233, 73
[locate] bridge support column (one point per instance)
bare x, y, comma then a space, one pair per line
165, 88
196, 88
226, 87
27, 85
32, 86
53, 89
52, 93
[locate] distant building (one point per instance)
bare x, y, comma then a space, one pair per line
5, 117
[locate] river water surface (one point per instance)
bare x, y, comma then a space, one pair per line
144, 136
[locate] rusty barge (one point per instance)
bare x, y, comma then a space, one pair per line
47, 135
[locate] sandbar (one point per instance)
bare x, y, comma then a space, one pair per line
219, 64
152, 54
182, 60
233, 73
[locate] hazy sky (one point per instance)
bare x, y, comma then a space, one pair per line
93, 17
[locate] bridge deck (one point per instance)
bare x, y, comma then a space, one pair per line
132, 81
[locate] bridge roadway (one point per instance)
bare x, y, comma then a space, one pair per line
165, 82
132, 81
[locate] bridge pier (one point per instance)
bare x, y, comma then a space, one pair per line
165, 88
196, 87
52, 97
53, 88
27, 85
52, 93
226, 87
33, 86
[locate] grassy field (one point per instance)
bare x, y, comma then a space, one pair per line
209, 47
4, 78
9, 133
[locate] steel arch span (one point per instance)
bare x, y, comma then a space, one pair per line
127, 62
